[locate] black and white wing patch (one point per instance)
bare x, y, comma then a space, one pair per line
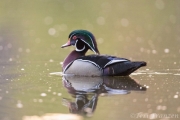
115, 61
102, 61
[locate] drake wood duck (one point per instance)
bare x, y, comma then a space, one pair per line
77, 63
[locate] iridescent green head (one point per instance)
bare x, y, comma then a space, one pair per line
82, 39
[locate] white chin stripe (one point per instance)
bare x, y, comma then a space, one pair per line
79, 50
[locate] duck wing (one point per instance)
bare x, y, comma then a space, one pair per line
113, 66
102, 61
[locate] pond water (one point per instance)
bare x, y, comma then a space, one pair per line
31, 84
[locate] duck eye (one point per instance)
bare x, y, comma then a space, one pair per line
74, 37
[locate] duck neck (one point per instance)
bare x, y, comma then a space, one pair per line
72, 56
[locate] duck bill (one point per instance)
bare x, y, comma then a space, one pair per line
66, 45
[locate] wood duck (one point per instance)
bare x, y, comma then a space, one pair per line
77, 63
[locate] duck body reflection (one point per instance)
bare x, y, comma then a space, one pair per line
86, 91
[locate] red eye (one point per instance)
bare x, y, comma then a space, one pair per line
74, 38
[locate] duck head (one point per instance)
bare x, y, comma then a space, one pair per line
82, 40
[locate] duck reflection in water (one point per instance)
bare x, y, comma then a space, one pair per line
86, 91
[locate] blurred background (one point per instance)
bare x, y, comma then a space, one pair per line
35, 30
32, 32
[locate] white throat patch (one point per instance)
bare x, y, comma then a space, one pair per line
79, 50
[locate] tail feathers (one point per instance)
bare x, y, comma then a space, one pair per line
123, 69
141, 64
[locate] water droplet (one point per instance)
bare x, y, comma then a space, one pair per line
35, 100
19, 104
153, 116
164, 108
166, 50
101, 20
10, 59
52, 31
22, 69
28, 50
154, 51
160, 101
43, 94
124, 22
142, 49
20, 49
51, 60
175, 96
134, 100
158, 107
146, 99
40, 100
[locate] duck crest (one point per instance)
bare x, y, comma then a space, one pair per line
87, 37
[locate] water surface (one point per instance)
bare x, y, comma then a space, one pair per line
31, 33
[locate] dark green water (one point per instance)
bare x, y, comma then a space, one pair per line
31, 33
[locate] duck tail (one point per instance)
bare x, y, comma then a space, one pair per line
141, 63
123, 68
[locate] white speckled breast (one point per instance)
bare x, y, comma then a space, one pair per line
83, 68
